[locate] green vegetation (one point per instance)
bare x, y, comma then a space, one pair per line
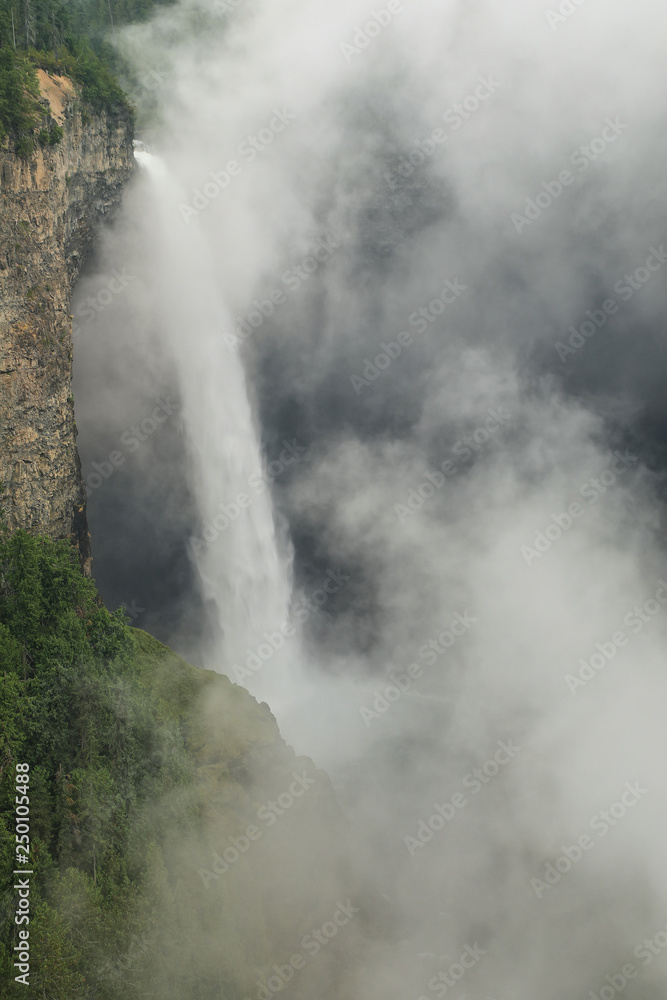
104, 716
63, 38
52, 24
19, 94
67, 667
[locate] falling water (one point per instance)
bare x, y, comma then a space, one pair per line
410, 716
242, 570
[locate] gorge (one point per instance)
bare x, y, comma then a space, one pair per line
448, 599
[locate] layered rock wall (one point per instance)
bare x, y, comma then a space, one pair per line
51, 207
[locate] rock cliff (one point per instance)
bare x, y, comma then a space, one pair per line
50, 210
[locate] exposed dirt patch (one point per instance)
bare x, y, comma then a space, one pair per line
58, 90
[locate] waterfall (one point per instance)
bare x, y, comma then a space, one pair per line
241, 568
487, 480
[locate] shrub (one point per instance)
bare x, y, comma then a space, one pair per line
20, 110
25, 147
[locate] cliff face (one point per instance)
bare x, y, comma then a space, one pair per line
50, 209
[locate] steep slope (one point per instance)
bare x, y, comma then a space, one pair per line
178, 848
50, 208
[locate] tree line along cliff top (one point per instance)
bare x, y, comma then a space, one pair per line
68, 38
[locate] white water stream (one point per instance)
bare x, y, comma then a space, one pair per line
236, 550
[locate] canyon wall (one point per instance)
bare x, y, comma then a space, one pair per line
51, 207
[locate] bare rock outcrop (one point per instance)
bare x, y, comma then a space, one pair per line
51, 207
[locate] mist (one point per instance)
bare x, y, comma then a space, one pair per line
385, 379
